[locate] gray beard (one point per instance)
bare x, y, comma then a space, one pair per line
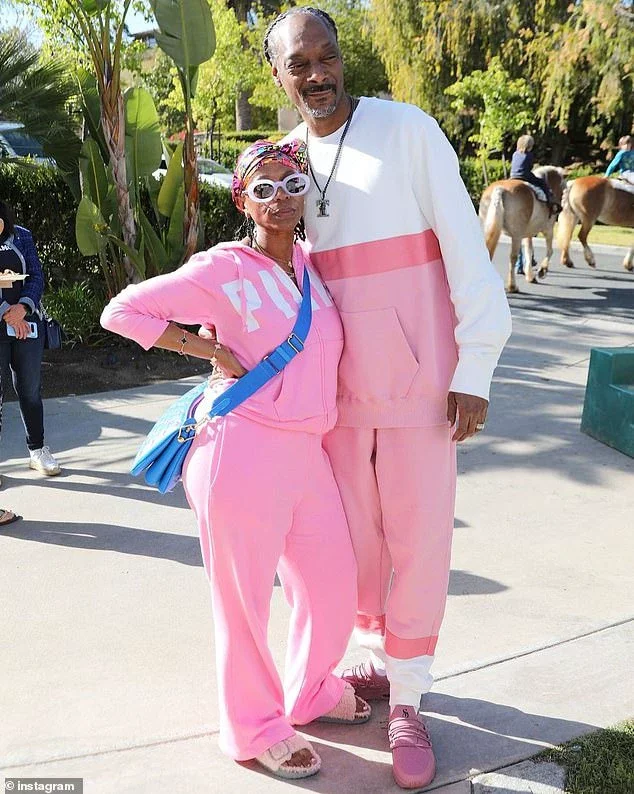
320, 113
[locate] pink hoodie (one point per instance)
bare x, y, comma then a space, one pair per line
253, 305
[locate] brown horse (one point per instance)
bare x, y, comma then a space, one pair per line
510, 205
590, 199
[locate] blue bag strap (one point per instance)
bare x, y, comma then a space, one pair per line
272, 364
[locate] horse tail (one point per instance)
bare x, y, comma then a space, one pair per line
567, 219
494, 220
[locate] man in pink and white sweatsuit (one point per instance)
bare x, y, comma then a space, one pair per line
262, 488
425, 319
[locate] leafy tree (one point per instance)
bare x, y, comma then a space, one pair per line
585, 66
428, 46
231, 71
503, 106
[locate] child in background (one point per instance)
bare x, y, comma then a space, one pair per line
522, 168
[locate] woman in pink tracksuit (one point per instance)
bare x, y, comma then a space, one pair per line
258, 479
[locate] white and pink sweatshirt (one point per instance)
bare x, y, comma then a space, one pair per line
403, 256
253, 305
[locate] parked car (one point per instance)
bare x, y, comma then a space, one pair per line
208, 171
16, 143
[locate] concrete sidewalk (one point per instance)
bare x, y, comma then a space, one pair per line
106, 648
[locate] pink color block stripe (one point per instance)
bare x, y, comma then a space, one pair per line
372, 623
400, 648
379, 256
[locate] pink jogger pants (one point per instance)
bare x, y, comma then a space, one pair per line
398, 490
265, 499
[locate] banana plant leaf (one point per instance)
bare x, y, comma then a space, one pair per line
154, 246
187, 32
90, 228
91, 108
136, 257
175, 231
143, 145
172, 182
95, 178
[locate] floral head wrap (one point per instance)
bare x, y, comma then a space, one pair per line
292, 154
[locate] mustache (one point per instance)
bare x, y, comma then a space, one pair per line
317, 89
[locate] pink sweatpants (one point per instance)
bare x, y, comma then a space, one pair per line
266, 499
398, 489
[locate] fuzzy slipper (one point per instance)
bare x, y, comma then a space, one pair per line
347, 711
8, 517
276, 757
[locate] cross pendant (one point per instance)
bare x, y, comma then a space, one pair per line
322, 207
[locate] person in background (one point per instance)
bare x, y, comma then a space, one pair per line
22, 335
623, 162
522, 168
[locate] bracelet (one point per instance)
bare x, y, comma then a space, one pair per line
181, 352
213, 360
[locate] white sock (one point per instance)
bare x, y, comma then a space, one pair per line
373, 642
410, 679
378, 663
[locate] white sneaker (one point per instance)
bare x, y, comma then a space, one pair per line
43, 461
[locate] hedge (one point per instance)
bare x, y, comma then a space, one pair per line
473, 175
253, 135
74, 284
44, 204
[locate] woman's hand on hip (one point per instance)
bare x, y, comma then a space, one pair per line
225, 361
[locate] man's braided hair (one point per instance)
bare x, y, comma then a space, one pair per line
314, 12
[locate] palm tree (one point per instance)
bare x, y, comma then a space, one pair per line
37, 92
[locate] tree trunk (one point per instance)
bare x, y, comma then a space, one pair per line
113, 125
559, 150
243, 111
190, 168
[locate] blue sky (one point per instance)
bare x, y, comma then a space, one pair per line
11, 15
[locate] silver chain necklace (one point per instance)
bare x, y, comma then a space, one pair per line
322, 202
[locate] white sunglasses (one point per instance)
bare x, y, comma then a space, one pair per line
263, 190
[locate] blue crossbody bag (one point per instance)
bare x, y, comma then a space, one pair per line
163, 452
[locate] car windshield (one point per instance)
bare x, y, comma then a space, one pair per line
22, 144
211, 167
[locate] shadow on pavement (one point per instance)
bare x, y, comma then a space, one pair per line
184, 549
487, 734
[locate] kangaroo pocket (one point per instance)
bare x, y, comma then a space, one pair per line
309, 383
377, 362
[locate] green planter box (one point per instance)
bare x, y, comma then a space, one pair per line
608, 409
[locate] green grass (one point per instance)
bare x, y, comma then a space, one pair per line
609, 235
599, 763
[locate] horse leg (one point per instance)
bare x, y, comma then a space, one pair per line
528, 256
628, 262
566, 226
543, 268
516, 243
583, 239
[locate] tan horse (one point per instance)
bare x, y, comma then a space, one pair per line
590, 199
510, 205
